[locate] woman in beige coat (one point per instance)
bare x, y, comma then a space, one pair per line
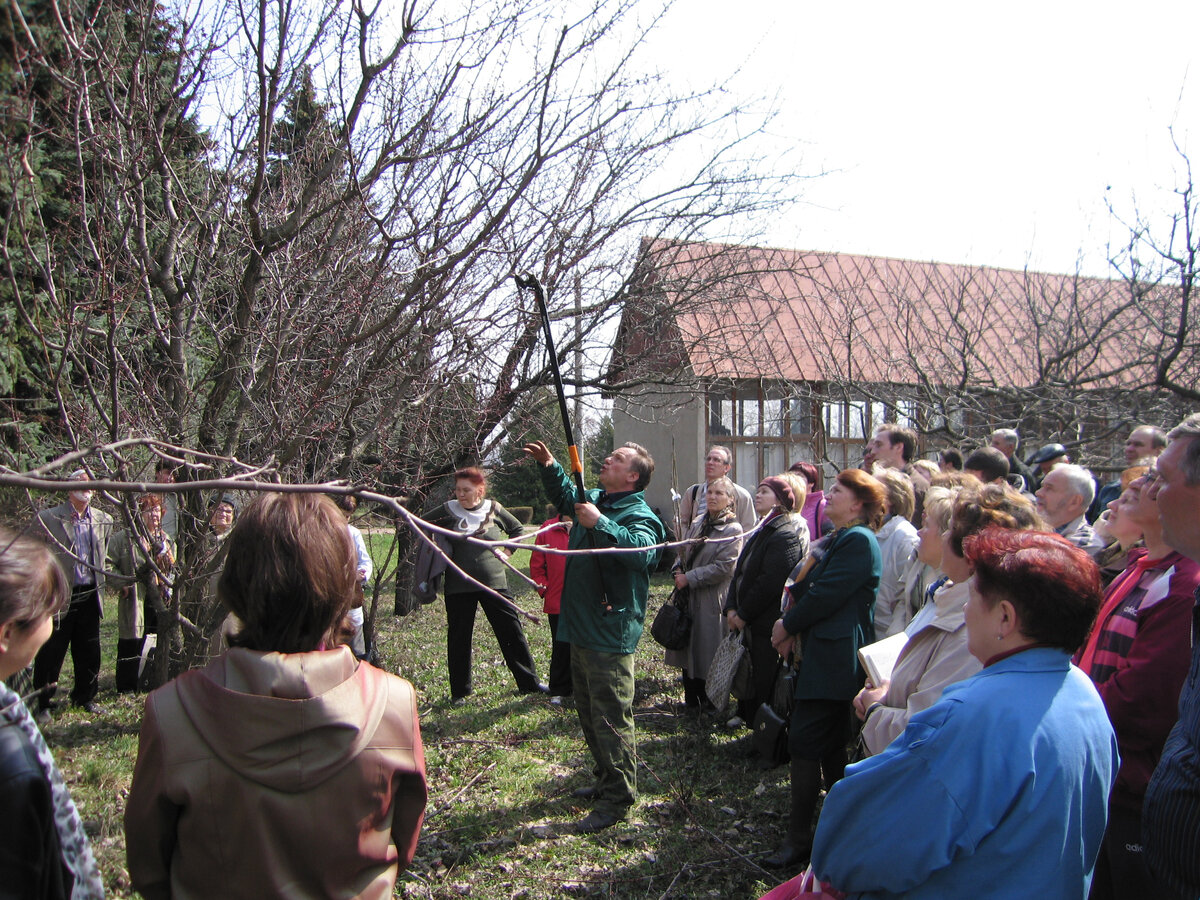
936, 654
705, 570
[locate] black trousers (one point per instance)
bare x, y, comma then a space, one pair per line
506, 625
764, 660
78, 630
560, 661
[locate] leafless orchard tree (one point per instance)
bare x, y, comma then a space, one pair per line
1159, 263
292, 225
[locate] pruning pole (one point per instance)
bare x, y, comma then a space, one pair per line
527, 281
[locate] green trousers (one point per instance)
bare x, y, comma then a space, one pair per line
603, 684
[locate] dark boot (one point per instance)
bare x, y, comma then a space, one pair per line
797, 846
833, 766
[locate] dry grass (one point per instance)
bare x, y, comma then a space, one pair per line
501, 771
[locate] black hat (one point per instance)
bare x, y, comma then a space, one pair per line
1047, 453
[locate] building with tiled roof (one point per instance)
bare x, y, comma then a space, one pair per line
789, 355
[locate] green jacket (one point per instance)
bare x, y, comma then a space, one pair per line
833, 612
604, 597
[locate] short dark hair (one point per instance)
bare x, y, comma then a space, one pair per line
643, 464
868, 489
989, 462
32, 583
1053, 585
898, 434
951, 457
988, 506
290, 573
347, 503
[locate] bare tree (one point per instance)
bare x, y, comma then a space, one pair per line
291, 226
1159, 263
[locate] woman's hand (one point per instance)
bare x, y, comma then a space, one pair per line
680, 580
540, 452
868, 695
736, 622
781, 640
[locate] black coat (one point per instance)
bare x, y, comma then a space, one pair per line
766, 561
31, 863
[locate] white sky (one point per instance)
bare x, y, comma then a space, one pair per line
961, 132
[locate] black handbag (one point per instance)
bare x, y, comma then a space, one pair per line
771, 736
672, 626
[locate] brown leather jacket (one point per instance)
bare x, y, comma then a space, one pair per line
272, 775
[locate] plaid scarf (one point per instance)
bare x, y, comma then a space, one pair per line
76, 850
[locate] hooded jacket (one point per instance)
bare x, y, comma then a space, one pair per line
276, 775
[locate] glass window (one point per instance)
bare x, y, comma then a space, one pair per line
773, 411
861, 425
750, 418
745, 456
800, 416
774, 459
720, 415
906, 413
834, 416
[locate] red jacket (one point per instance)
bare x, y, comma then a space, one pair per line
547, 568
1141, 663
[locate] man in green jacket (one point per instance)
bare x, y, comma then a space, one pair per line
603, 609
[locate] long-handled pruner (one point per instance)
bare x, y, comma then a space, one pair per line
529, 282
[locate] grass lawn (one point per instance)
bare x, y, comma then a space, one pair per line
501, 771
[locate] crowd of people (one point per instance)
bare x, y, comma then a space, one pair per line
1035, 725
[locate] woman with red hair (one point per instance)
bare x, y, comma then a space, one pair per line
1000, 787
471, 514
828, 616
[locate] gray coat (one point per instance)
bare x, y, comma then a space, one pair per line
709, 569
60, 534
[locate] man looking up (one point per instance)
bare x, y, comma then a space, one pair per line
1171, 815
694, 504
1006, 440
893, 447
78, 535
1144, 443
988, 464
602, 612
1065, 494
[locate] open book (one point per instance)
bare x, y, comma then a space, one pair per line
879, 659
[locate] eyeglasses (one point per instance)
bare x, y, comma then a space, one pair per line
1151, 477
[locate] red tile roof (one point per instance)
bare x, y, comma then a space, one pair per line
746, 313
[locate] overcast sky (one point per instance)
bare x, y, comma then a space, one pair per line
961, 132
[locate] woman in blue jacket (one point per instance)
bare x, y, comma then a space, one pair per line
830, 613
1001, 787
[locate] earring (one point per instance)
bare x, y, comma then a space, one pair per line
999, 637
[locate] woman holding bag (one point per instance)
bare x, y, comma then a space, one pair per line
752, 604
704, 571
828, 617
